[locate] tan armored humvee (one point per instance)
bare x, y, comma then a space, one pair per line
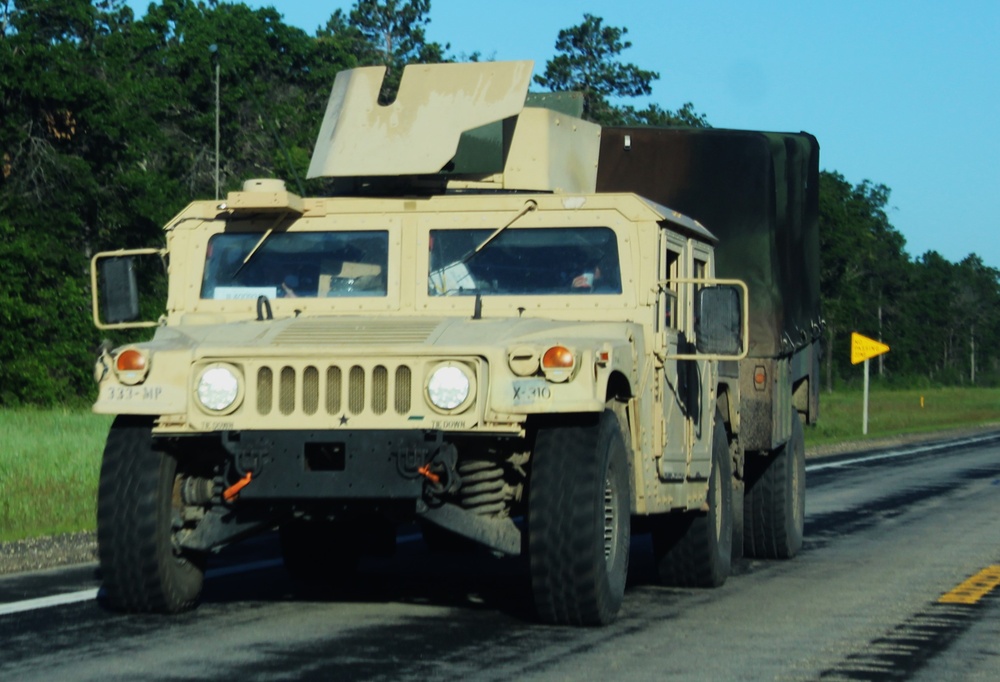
466, 335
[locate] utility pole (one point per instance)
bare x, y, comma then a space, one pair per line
881, 366
972, 354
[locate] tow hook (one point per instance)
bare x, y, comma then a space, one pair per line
441, 471
232, 491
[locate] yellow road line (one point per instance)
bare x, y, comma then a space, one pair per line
973, 589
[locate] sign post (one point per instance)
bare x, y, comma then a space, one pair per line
864, 349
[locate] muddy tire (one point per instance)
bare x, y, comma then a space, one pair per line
142, 568
579, 522
695, 549
775, 500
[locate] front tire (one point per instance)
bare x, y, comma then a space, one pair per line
143, 569
695, 549
579, 522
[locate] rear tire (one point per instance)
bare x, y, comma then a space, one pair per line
143, 570
695, 549
579, 522
775, 500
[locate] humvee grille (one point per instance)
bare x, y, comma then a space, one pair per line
286, 391
356, 390
265, 390
302, 390
403, 388
310, 390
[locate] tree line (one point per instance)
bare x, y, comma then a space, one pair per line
108, 129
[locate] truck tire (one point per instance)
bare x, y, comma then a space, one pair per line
142, 568
579, 522
695, 549
775, 500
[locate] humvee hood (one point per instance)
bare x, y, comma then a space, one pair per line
337, 333
469, 332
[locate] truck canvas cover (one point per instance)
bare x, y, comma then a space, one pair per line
757, 192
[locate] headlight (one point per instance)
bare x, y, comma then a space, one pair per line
450, 387
218, 387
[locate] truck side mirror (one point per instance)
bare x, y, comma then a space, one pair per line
718, 324
119, 291
115, 277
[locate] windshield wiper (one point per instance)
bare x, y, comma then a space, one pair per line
256, 247
529, 206
457, 271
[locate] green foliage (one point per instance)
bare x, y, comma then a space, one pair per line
589, 62
108, 129
655, 115
58, 167
940, 319
270, 77
390, 33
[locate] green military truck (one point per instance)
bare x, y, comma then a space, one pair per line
469, 332
759, 193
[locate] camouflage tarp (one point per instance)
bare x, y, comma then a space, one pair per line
757, 192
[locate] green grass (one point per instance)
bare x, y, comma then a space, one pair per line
896, 412
50, 459
49, 465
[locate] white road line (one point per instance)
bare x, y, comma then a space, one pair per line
892, 454
46, 602
91, 594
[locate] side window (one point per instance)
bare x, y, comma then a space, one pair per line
672, 270
700, 270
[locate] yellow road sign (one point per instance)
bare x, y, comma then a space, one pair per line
863, 348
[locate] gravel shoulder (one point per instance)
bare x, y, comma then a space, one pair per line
35, 554
81, 548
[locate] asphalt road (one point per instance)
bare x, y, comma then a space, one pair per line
887, 535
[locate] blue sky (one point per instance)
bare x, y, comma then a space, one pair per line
904, 93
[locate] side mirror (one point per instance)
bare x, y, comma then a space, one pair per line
718, 323
119, 291
115, 278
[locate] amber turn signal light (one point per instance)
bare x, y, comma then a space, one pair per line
558, 357
130, 360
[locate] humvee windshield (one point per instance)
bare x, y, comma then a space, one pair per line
546, 261
296, 264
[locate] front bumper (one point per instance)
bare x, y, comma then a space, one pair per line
333, 464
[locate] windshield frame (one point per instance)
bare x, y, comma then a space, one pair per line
547, 261
388, 224
522, 303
